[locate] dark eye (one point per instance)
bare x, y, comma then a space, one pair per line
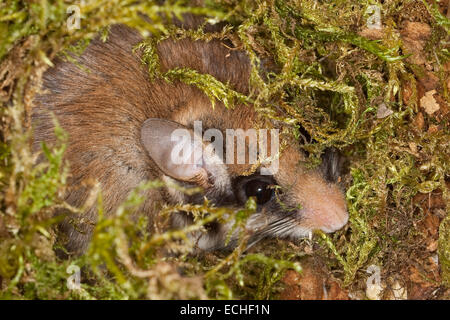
260, 190
258, 186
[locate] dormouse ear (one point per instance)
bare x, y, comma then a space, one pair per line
174, 150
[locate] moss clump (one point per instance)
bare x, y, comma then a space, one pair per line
444, 250
312, 69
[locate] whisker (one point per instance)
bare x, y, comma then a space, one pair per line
279, 226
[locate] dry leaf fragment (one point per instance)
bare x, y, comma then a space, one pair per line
429, 103
372, 33
383, 111
414, 36
419, 121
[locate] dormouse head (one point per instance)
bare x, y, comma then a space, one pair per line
292, 200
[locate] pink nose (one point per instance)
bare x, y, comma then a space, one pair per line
333, 220
328, 216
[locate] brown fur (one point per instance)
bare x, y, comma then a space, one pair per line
103, 105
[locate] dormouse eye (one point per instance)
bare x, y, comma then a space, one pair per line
260, 190
260, 187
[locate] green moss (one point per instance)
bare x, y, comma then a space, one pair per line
444, 250
323, 77
214, 89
